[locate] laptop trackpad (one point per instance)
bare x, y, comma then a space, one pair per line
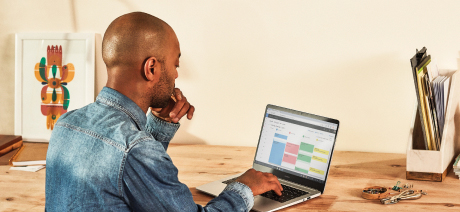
262, 203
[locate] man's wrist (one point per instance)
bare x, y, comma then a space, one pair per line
244, 191
161, 130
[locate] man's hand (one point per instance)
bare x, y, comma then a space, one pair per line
177, 107
260, 182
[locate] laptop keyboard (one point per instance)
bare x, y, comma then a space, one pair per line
288, 192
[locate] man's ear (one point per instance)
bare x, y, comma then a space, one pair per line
152, 69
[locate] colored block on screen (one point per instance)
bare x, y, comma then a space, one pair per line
321, 172
292, 148
289, 159
304, 158
276, 153
280, 136
320, 159
301, 170
306, 147
322, 151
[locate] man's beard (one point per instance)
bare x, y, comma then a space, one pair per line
161, 93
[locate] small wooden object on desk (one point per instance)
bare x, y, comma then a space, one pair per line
434, 165
381, 193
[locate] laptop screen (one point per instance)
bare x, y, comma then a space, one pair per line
296, 143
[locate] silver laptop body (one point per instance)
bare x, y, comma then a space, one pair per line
295, 146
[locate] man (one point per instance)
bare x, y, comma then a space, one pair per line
110, 156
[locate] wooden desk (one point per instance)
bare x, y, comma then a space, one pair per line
199, 164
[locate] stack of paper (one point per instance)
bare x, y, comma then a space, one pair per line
440, 89
28, 168
457, 166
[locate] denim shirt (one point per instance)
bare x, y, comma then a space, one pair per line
110, 156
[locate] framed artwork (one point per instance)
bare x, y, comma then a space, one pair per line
54, 75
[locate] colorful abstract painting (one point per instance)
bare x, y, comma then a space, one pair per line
55, 96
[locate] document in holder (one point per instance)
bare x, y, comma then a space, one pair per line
424, 104
432, 109
415, 62
441, 89
436, 85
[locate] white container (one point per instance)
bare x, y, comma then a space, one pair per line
434, 165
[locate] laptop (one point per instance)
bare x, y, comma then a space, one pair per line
297, 148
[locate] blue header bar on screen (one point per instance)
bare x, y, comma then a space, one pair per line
280, 136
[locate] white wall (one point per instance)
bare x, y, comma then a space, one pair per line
347, 60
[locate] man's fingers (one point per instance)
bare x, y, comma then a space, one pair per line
277, 189
273, 180
178, 106
164, 111
277, 182
190, 112
182, 112
177, 94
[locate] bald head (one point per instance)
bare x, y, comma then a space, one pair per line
133, 37
141, 53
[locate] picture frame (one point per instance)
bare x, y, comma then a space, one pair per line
54, 74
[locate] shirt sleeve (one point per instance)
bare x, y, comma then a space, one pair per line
161, 130
150, 183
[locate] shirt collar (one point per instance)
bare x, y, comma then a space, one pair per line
121, 102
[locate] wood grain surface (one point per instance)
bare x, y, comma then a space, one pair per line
350, 172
